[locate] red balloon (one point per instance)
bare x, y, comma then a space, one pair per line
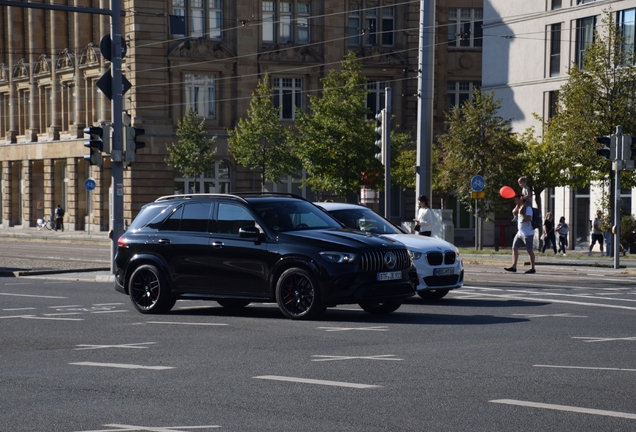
507, 192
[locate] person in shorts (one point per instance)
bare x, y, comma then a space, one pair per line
525, 233
597, 233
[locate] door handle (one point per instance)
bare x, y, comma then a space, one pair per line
163, 241
217, 245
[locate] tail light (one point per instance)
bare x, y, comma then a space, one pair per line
122, 242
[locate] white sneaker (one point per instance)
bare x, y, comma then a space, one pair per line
564, 255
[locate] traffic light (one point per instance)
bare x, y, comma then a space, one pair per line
98, 142
380, 141
609, 147
131, 144
629, 147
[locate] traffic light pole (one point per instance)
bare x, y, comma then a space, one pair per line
387, 154
617, 194
117, 167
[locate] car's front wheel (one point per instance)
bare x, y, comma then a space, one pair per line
149, 290
383, 307
297, 294
432, 295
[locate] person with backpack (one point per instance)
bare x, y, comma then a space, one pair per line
525, 233
59, 218
563, 230
597, 233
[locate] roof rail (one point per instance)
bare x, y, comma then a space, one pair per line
203, 195
260, 193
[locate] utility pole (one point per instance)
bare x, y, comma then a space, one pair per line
387, 154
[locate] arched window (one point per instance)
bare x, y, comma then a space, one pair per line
215, 180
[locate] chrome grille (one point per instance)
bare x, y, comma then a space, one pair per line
374, 261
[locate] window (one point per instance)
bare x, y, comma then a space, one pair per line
232, 217
457, 92
216, 180
201, 94
291, 185
556, 4
46, 110
288, 96
627, 29
379, 24
553, 99
23, 110
584, 37
464, 27
205, 17
4, 114
195, 217
555, 50
285, 22
375, 97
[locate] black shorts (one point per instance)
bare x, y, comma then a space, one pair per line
597, 238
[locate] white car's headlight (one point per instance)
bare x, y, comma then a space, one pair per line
338, 257
415, 255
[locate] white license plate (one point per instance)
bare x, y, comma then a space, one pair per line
389, 276
443, 271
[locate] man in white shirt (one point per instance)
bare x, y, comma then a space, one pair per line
525, 233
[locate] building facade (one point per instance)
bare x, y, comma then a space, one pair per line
204, 54
529, 48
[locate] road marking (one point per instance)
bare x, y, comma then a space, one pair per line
61, 307
18, 309
318, 382
564, 315
122, 427
598, 339
18, 283
122, 366
587, 368
565, 408
376, 328
376, 357
588, 296
108, 304
62, 313
109, 311
43, 318
183, 323
132, 345
28, 295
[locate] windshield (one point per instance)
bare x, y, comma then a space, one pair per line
287, 215
364, 220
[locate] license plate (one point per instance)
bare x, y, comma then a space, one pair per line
389, 276
443, 271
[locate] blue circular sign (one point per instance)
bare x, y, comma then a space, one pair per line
90, 184
477, 183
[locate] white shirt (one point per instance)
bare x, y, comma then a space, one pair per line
525, 226
424, 219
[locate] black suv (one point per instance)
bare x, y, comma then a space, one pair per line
238, 249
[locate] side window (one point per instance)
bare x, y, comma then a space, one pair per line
195, 217
173, 222
231, 217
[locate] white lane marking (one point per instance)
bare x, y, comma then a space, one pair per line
333, 329
317, 382
122, 427
587, 368
108, 304
28, 295
132, 345
110, 311
62, 313
18, 283
376, 357
18, 309
43, 318
565, 408
564, 315
598, 339
551, 300
122, 366
183, 323
68, 306
588, 296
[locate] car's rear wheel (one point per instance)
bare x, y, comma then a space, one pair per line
432, 295
383, 307
149, 290
297, 294
233, 303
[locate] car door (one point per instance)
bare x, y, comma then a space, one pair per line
238, 266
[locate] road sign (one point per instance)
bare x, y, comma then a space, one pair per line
478, 195
90, 184
477, 183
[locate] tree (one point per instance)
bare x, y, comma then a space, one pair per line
403, 159
334, 140
193, 154
597, 98
478, 142
260, 141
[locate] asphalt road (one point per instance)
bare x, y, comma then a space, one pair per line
545, 352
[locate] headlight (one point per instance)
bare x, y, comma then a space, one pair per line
415, 255
338, 257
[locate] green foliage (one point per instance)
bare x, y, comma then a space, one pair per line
193, 154
403, 159
592, 103
478, 142
628, 230
260, 141
334, 139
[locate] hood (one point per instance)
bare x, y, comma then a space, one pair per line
421, 243
344, 238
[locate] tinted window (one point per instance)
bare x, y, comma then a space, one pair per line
295, 215
174, 221
149, 214
231, 217
195, 217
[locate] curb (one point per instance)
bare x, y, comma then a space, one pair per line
21, 273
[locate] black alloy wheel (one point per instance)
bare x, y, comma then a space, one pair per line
383, 307
432, 295
297, 294
149, 291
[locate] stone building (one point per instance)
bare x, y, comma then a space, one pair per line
205, 54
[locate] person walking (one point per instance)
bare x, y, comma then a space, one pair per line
548, 233
59, 218
563, 230
423, 220
597, 233
525, 233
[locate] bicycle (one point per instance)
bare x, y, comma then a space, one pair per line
46, 222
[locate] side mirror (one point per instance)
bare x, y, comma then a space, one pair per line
250, 232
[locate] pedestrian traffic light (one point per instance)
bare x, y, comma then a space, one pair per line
98, 141
380, 141
609, 147
131, 145
629, 147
